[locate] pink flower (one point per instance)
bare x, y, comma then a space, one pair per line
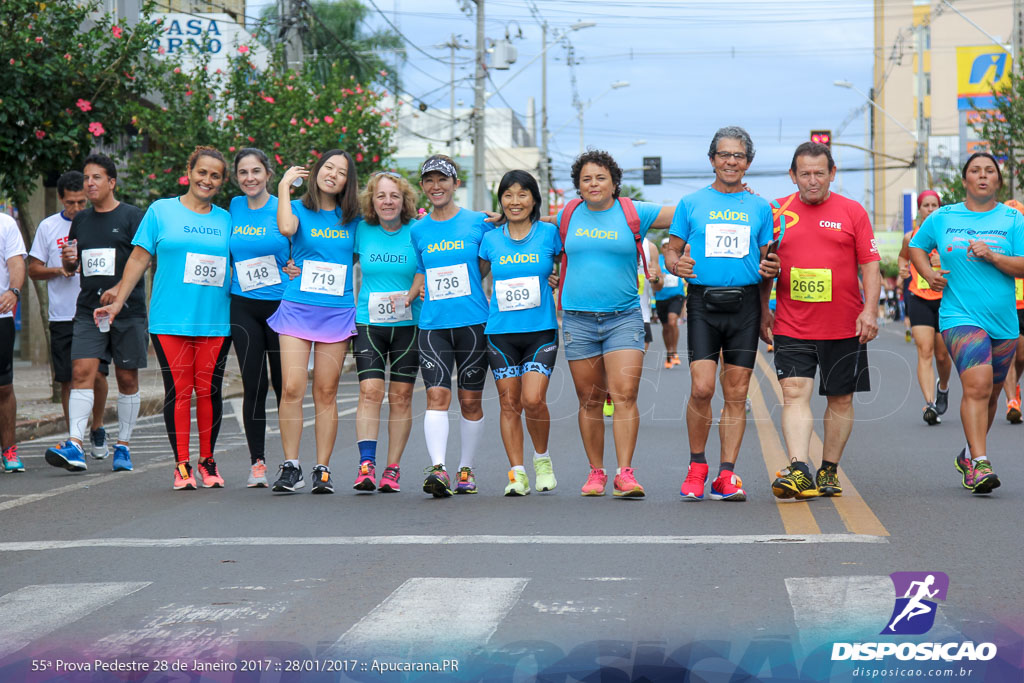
386, 124
242, 49
268, 98
40, 134
302, 131
290, 87
96, 128
183, 180
218, 71
294, 122
360, 131
152, 176
250, 138
328, 120
421, 212
359, 90
376, 158
231, 149
12, 61
344, 129
84, 105
177, 70
277, 145
277, 158
209, 118
39, 39
187, 93
116, 30
161, 50
359, 156
383, 73
67, 56
167, 170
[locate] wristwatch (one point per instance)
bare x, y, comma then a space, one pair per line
16, 292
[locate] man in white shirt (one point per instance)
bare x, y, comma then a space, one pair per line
12, 278
62, 287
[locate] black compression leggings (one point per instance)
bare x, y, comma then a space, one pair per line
257, 346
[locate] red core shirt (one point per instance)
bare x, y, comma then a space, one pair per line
818, 291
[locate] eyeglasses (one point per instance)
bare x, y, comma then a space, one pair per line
725, 156
390, 174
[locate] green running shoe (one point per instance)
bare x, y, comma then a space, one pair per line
518, 484
544, 474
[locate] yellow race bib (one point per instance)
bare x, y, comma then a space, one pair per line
921, 282
813, 285
1020, 288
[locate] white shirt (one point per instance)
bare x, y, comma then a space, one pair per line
645, 296
11, 244
62, 291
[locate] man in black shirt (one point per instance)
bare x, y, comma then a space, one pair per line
100, 242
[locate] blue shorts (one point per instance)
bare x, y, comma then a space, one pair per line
587, 335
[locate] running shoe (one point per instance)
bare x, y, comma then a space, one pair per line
965, 468
67, 456
908, 337
693, 484
98, 437
518, 484
984, 478
366, 477
942, 399
1013, 414
183, 479
609, 407
465, 481
289, 479
931, 414
210, 475
728, 486
257, 476
794, 482
437, 483
827, 482
322, 482
675, 359
12, 463
596, 482
122, 459
544, 474
389, 480
626, 485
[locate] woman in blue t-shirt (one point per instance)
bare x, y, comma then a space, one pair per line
385, 327
981, 244
522, 330
259, 256
602, 325
316, 307
447, 244
189, 310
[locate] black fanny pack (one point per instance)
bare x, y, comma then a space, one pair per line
723, 299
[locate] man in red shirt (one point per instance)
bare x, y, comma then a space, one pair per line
821, 320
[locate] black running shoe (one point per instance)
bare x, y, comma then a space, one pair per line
931, 415
794, 482
437, 482
322, 482
827, 482
941, 399
289, 479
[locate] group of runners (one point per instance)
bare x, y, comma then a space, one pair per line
274, 277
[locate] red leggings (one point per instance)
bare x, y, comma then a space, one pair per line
192, 364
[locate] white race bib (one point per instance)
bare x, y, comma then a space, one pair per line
97, 262
382, 310
448, 282
517, 294
257, 272
321, 277
204, 269
671, 280
726, 240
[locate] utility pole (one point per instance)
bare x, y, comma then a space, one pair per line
452, 45
288, 12
921, 155
545, 172
1018, 69
480, 202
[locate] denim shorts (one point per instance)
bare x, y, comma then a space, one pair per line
588, 335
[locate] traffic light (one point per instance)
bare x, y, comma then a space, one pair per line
822, 136
652, 170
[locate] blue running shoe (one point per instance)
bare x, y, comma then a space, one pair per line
122, 459
99, 443
68, 456
12, 463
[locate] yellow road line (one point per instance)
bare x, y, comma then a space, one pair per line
851, 506
796, 515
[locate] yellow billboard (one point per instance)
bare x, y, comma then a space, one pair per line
979, 69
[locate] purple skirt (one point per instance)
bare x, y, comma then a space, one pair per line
314, 323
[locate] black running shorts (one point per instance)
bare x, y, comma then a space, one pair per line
843, 363
442, 351
378, 346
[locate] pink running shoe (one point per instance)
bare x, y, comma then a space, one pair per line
626, 485
693, 484
727, 487
366, 477
210, 474
596, 481
389, 480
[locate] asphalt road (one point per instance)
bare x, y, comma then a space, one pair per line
107, 569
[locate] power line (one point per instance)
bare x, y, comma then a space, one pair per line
406, 39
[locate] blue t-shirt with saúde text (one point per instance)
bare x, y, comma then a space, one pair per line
388, 263
322, 247
258, 251
521, 297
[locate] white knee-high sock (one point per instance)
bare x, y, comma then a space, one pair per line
435, 431
471, 432
79, 412
127, 414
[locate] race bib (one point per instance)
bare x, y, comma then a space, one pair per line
921, 282
671, 280
517, 294
448, 282
726, 240
321, 277
204, 269
1019, 288
640, 281
382, 310
813, 285
257, 272
97, 262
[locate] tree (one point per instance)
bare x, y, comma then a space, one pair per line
633, 192
1003, 129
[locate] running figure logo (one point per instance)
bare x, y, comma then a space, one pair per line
914, 612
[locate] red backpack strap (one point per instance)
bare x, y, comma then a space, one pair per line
633, 219
563, 230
